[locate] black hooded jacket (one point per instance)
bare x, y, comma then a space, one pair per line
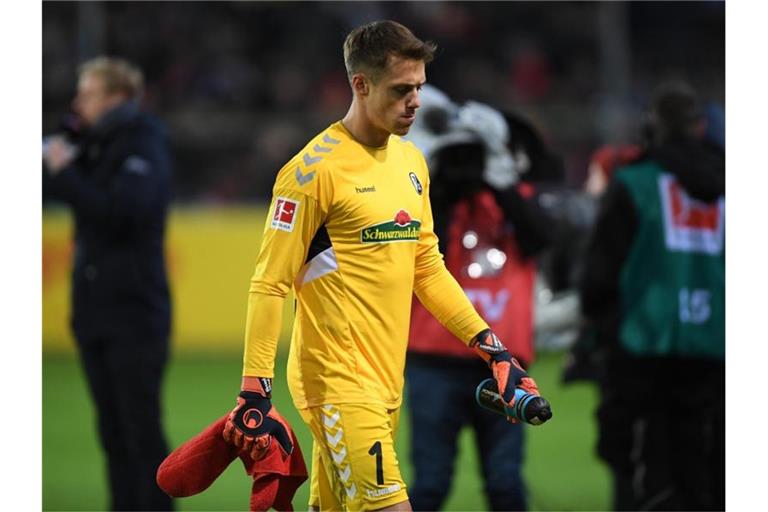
457, 176
699, 167
119, 188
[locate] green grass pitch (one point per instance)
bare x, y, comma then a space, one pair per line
561, 469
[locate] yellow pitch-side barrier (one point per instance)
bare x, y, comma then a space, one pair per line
211, 253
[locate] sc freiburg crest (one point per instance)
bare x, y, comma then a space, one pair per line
416, 183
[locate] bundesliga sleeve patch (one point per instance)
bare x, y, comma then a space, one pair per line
284, 216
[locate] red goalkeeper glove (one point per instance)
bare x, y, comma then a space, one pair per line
254, 421
506, 370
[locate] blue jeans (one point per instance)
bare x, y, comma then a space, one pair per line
441, 400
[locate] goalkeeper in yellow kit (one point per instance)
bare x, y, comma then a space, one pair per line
350, 229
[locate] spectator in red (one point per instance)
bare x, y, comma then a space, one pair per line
604, 161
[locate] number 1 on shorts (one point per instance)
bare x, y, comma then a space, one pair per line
376, 450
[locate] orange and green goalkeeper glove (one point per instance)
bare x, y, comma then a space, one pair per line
506, 370
254, 421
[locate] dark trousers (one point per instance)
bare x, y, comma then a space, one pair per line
441, 399
662, 433
124, 377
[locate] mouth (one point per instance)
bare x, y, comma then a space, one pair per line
409, 118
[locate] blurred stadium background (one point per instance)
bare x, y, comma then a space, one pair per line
242, 86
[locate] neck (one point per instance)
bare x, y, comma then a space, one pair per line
359, 125
116, 115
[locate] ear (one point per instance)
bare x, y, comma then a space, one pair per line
360, 84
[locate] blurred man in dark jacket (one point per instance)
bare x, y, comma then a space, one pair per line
654, 292
116, 177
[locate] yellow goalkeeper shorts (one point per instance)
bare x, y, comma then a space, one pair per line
354, 465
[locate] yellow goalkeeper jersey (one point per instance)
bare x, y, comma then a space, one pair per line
350, 228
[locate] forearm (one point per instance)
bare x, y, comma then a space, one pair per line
262, 331
443, 297
254, 422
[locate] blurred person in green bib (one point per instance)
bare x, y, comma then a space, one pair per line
653, 291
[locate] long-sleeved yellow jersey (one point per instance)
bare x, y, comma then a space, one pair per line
350, 228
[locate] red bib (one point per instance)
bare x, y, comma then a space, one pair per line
484, 258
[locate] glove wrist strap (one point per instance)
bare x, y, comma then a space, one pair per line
489, 347
259, 385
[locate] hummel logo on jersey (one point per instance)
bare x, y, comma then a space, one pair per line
416, 183
363, 190
285, 214
304, 178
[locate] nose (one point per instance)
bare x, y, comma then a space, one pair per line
413, 101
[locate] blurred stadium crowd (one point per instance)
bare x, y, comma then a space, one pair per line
243, 84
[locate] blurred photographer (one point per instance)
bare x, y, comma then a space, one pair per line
653, 292
115, 174
489, 229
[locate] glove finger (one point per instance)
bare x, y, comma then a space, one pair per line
529, 385
247, 443
227, 432
260, 447
501, 374
237, 437
508, 396
262, 442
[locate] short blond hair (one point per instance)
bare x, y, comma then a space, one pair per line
119, 75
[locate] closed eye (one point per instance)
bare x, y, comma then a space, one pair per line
404, 89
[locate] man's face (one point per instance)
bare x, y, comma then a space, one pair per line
394, 98
92, 100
